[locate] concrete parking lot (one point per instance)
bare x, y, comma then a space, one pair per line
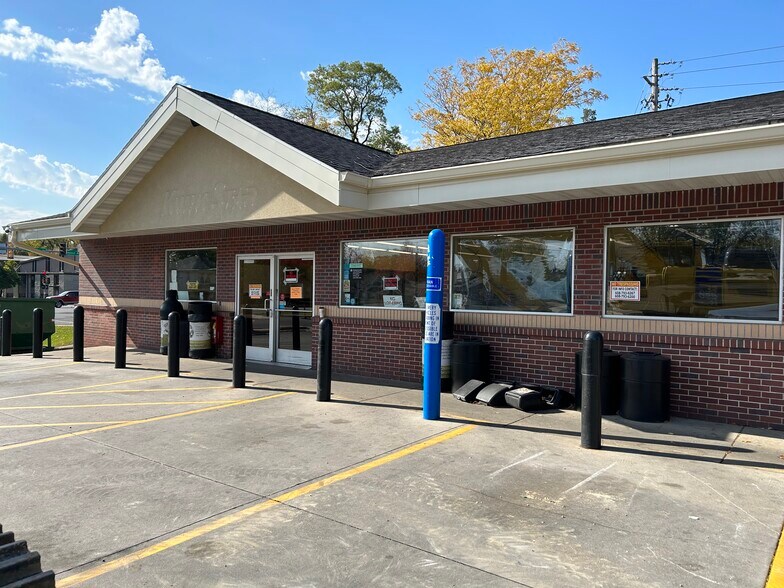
130, 478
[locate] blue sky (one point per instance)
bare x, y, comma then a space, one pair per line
70, 97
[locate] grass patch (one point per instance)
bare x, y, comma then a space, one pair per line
63, 336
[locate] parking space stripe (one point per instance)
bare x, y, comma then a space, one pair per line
140, 421
108, 384
60, 424
114, 404
245, 513
776, 576
48, 366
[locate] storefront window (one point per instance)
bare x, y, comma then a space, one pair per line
513, 272
705, 270
192, 273
389, 274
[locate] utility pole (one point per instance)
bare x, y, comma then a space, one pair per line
654, 83
653, 103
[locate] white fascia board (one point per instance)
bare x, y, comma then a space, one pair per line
53, 228
697, 156
300, 167
125, 159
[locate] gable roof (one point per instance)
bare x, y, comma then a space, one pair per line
344, 155
728, 142
685, 120
337, 152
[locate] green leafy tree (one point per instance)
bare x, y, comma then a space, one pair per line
388, 139
352, 96
8, 275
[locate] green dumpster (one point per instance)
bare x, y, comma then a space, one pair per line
22, 320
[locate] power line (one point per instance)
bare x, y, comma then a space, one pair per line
678, 73
724, 86
733, 53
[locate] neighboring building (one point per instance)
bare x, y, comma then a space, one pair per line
40, 277
663, 230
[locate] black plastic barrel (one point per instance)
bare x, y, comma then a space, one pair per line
171, 304
470, 361
645, 387
611, 381
200, 330
447, 337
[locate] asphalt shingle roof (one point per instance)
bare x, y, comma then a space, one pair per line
345, 155
337, 152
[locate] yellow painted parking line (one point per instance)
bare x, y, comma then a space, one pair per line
102, 384
122, 390
108, 384
48, 366
141, 421
61, 424
245, 513
776, 576
110, 404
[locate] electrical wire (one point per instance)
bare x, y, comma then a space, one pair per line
733, 53
725, 85
678, 73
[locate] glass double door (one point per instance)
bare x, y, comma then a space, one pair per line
275, 295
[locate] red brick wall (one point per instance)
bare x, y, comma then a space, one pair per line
722, 380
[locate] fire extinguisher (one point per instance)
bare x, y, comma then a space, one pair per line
217, 331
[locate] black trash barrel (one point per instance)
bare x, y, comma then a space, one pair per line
447, 337
470, 361
171, 304
611, 381
200, 330
645, 387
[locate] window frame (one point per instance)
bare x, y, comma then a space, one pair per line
780, 319
513, 232
166, 272
340, 272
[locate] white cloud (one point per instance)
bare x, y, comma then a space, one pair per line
12, 214
114, 52
305, 75
256, 100
90, 82
144, 99
19, 169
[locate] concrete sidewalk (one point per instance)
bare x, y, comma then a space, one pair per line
130, 478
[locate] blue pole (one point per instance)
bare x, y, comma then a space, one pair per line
431, 404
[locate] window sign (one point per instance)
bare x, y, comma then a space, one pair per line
295, 292
393, 301
625, 291
254, 291
290, 275
384, 274
192, 272
513, 272
392, 283
705, 270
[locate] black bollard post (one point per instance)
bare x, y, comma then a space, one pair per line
38, 332
5, 344
591, 374
324, 382
120, 337
174, 345
238, 352
78, 333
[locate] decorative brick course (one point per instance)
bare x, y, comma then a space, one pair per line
713, 378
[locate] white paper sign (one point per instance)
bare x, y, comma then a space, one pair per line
393, 301
432, 323
629, 291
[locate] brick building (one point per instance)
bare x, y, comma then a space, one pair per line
662, 230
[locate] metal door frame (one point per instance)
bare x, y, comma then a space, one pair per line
274, 354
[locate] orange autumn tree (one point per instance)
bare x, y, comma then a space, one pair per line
507, 93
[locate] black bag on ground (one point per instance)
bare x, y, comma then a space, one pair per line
526, 399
